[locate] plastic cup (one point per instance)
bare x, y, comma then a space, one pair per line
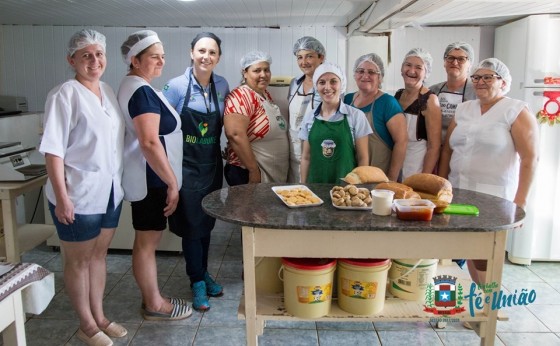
382, 201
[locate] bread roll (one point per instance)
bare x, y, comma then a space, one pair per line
366, 174
432, 187
401, 191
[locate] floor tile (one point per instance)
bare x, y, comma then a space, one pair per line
521, 320
547, 314
276, 324
402, 326
343, 337
544, 292
223, 313
529, 339
163, 334
462, 338
345, 325
548, 271
211, 336
417, 337
297, 337
514, 273
47, 332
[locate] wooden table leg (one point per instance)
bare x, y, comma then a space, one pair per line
10, 230
493, 275
251, 322
14, 334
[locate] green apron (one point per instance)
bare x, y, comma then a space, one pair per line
332, 151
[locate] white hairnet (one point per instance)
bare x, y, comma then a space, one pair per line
327, 67
309, 43
84, 38
424, 55
374, 58
253, 58
137, 42
464, 46
499, 68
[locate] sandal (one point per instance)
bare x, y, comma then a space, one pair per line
114, 330
99, 339
179, 312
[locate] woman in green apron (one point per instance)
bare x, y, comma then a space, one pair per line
198, 95
335, 134
387, 143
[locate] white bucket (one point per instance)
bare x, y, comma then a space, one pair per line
362, 284
409, 278
266, 275
308, 286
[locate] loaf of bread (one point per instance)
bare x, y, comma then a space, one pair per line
365, 174
432, 187
401, 191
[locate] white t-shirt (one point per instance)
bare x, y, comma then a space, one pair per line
88, 134
484, 158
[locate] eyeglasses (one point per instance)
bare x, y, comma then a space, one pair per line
361, 71
485, 78
460, 59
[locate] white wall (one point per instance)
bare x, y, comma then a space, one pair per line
432, 39
33, 58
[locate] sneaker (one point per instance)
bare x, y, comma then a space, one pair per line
200, 298
213, 289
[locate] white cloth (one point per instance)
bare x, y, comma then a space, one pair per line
415, 149
484, 158
88, 134
134, 175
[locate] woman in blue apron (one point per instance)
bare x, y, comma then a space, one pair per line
198, 95
335, 135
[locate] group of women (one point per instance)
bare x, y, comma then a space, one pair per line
161, 150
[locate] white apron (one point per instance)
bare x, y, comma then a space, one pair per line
134, 174
273, 152
415, 149
298, 107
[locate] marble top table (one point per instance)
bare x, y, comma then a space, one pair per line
271, 229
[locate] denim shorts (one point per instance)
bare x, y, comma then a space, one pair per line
87, 227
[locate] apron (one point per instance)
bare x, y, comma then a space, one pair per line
332, 151
380, 153
202, 166
272, 152
297, 107
134, 174
448, 102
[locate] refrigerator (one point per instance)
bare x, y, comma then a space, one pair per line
530, 49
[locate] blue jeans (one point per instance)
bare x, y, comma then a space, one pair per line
195, 252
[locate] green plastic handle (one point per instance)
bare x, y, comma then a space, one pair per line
462, 209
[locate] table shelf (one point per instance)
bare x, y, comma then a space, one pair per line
29, 236
271, 307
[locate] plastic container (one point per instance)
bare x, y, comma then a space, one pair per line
308, 284
361, 285
409, 278
266, 275
414, 209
